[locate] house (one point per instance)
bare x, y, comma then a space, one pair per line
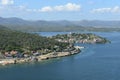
36, 53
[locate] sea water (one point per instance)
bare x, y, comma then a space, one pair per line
95, 62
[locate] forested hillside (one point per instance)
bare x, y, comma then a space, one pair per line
62, 25
21, 41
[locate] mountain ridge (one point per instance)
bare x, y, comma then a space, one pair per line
58, 25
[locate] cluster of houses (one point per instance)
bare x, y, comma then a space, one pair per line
16, 54
75, 40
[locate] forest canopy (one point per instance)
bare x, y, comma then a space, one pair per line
22, 41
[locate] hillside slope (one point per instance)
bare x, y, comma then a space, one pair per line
63, 25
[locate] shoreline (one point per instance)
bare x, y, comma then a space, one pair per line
41, 57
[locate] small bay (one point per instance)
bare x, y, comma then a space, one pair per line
95, 62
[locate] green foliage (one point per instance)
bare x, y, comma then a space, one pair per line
22, 42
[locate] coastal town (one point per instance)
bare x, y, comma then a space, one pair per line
33, 48
15, 57
80, 38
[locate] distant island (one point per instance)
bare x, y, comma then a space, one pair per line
18, 47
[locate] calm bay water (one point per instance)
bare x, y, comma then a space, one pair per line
95, 62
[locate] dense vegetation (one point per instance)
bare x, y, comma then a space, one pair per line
22, 42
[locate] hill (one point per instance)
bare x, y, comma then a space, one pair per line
3, 28
63, 25
98, 23
25, 42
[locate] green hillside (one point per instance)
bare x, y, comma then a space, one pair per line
22, 42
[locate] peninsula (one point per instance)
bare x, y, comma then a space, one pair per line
18, 47
80, 38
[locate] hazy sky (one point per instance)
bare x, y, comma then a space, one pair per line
61, 9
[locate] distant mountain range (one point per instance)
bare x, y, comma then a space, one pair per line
63, 25
98, 23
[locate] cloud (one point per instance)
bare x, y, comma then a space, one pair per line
46, 9
67, 7
7, 6
7, 2
115, 9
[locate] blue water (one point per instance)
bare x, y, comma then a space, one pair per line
95, 62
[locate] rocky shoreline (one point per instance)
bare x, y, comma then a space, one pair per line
41, 57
